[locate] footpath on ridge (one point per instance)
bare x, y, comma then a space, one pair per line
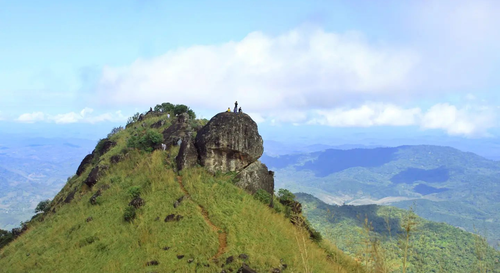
221, 233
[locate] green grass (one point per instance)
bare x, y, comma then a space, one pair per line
66, 242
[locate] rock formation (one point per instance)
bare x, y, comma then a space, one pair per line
254, 177
188, 155
229, 142
88, 158
178, 131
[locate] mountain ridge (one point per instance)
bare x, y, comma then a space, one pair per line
128, 211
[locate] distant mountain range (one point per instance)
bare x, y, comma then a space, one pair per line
34, 169
445, 184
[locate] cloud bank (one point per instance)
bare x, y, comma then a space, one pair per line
471, 121
84, 116
309, 75
301, 69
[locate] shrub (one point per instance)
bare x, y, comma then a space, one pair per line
129, 214
100, 145
263, 196
134, 191
285, 195
43, 206
133, 118
115, 131
5, 237
146, 142
315, 235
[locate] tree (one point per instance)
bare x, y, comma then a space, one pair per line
43, 206
180, 108
285, 195
167, 107
191, 114
5, 237
408, 225
133, 118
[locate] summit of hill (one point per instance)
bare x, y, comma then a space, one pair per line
172, 193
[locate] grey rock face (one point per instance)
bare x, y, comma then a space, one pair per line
188, 155
177, 131
254, 177
229, 142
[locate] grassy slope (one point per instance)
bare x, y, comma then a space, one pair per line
436, 246
66, 242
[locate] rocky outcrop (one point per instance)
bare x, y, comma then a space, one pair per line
94, 175
254, 177
229, 142
178, 131
188, 155
83, 165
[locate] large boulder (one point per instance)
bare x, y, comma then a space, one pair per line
94, 175
188, 156
88, 158
229, 142
254, 177
104, 146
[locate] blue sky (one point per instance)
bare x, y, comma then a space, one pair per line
388, 68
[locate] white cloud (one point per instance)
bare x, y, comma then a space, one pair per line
468, 121
71, 117
368, 115
84, 116
303, 68
31, 117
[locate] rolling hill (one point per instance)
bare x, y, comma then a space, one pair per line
447, 185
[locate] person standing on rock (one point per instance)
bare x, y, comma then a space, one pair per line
235, 106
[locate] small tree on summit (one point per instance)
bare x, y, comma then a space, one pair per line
43, 206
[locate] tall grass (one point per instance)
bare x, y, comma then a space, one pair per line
66, 242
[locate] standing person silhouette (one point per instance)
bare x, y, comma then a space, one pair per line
235, 106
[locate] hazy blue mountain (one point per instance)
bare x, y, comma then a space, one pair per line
34, 169
447, 185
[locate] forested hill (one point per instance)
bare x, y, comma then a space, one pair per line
376, 236
448, 185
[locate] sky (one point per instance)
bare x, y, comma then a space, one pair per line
321, 70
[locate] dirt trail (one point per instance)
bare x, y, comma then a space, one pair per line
222, 234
